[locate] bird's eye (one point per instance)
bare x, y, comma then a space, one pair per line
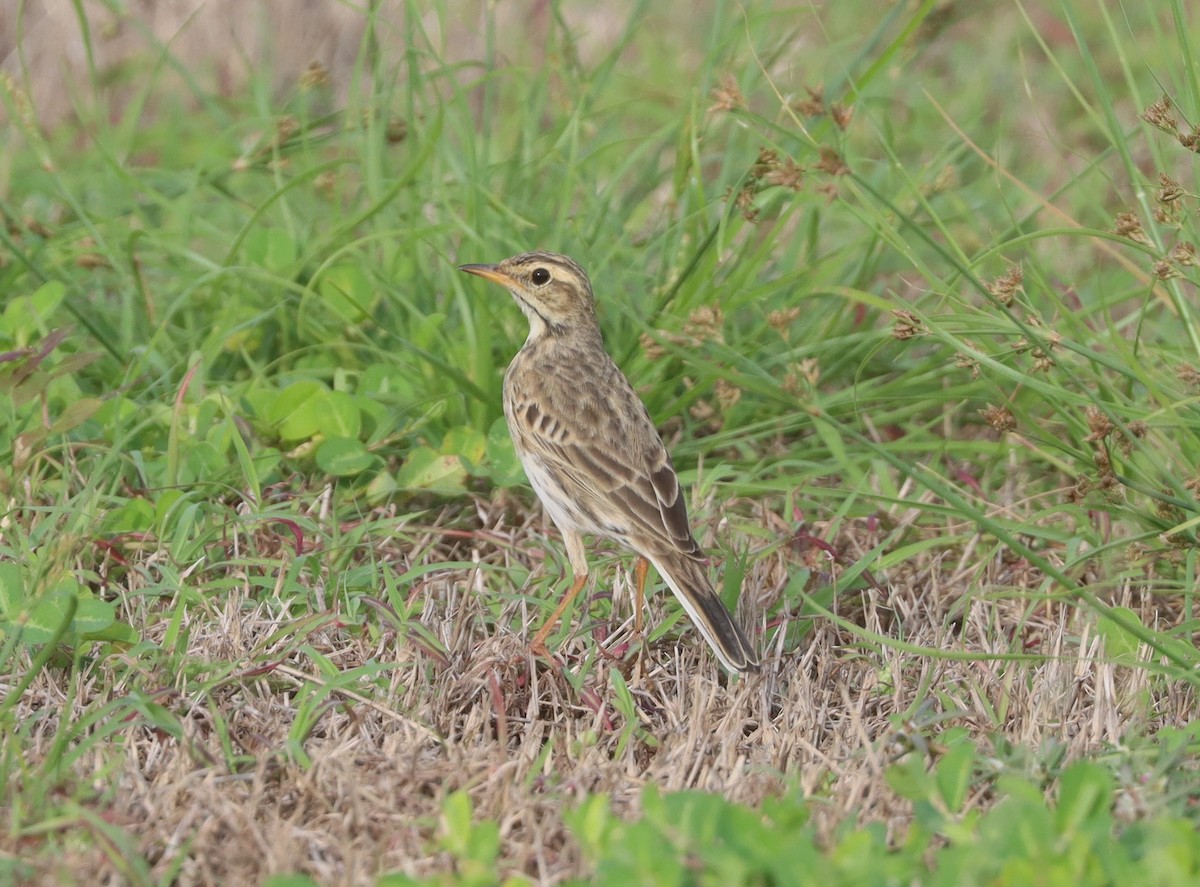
540, 276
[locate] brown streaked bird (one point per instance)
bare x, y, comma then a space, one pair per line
592, 452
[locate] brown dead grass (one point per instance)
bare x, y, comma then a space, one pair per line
528, 739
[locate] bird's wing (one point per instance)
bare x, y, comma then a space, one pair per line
598, 440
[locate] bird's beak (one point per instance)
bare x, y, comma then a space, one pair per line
488, 272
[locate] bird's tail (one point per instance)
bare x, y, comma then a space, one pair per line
688, 578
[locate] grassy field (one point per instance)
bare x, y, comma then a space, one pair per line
911, 291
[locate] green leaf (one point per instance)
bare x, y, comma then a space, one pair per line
348, 293
93, 615
343, 457
909, 779
12, 590
427, 469
47, 297
117, 633
90, 617
424, 332
382, 487
386, 379
134, 516
46, 617
307, 409
468, 444
503, 466
484, 846
398, 879
456, 822
1121, 644
290, 881
270, 248
954, 770
25, 317
202, 462
117, 412
342, 415
379, 421
591, 822
1085, 792
297, 412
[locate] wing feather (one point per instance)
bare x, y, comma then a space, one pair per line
598, 439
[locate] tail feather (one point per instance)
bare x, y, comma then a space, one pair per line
689, 580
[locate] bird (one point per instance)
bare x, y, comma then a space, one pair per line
592, 453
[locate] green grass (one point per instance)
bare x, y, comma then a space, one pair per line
935, 400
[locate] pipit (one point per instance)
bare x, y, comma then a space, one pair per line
591, 451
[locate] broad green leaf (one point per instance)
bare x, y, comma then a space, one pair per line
308, 409
12, 589
379, 421
1120, 644
25, 317
134, 516
424, 332
289, 881
1085, 791
503, 466
202, 462
427, 469
348, 293
954, 770
387, 379
47, 297
270, 248
116, 412
468, 444
399, 879
456, 822
93, 615
298, 412
342, 415
117, 633
382, 487
46, 616
909, 779
343, 456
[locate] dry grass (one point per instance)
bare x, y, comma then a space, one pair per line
468, 708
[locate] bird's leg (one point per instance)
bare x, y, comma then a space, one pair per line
578, 559
639, 583
538, 645
640, 568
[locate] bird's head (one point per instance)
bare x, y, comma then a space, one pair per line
552, 290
